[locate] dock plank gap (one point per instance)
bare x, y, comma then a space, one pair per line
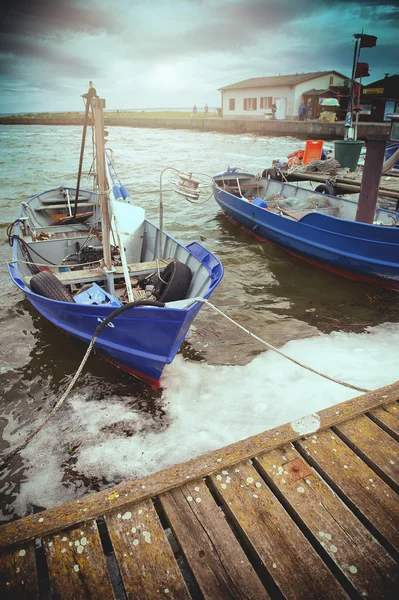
308, 510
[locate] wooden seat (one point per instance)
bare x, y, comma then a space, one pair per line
98, 274
62, 206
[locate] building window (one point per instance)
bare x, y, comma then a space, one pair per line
266, 102
250, 103
232, 103
331, 80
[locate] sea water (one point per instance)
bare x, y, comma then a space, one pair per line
223, 386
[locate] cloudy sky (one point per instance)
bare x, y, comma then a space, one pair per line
174, 53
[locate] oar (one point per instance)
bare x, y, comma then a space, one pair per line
82, 151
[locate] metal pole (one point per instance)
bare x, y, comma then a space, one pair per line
349, 114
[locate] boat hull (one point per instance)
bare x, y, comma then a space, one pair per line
141, 340
357, 251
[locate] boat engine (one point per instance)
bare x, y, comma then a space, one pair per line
90, 254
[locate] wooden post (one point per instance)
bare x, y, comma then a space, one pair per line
98, 105
371, 178
82, 151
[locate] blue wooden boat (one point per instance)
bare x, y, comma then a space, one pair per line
56, 263
318, 228
391, 148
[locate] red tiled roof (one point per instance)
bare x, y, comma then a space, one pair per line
277, 80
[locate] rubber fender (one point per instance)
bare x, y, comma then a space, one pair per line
326, 188
174, 282
46, 284
272, 174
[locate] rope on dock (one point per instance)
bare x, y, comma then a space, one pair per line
344, 383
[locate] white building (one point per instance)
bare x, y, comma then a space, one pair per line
254, 97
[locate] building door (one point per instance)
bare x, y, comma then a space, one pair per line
281, 104
389, 109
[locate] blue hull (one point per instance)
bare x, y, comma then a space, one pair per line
141, 340
351, 249
391, 148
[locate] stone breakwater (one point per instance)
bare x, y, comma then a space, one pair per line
311, 130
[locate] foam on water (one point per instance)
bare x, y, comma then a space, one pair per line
205, 407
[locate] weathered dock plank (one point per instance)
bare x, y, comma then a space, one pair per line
374, 445
331, 524
387, 418
273, 536
96, 505
355, 482
307, 511
76, 564
217, 560
18, 574
145, 558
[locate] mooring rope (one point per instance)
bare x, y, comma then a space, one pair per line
99, 329
297, 362
114, 314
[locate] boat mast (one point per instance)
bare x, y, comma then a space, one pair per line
82, 151
98, 105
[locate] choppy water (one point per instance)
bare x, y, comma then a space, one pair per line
269, 292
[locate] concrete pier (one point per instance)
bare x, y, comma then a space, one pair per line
305, 130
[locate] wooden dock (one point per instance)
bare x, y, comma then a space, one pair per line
305, 511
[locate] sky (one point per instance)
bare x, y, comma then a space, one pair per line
176, 53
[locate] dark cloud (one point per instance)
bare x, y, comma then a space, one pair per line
224, 41
26, 17
234, 27
253, 15
16, 51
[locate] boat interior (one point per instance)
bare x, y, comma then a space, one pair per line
49, 236
294, 202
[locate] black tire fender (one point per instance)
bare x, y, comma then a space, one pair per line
176, 281
46, 284
326, 188
272, 174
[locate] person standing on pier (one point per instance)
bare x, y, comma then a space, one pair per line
309, 110
206, 110
194, 113
91, 93
301, 111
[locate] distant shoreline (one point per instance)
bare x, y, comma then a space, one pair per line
132, 114
175, 120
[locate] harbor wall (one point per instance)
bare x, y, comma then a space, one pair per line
311, 130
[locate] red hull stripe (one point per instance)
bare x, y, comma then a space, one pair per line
154, 383
347, 274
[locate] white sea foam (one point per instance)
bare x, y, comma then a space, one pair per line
206, 407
